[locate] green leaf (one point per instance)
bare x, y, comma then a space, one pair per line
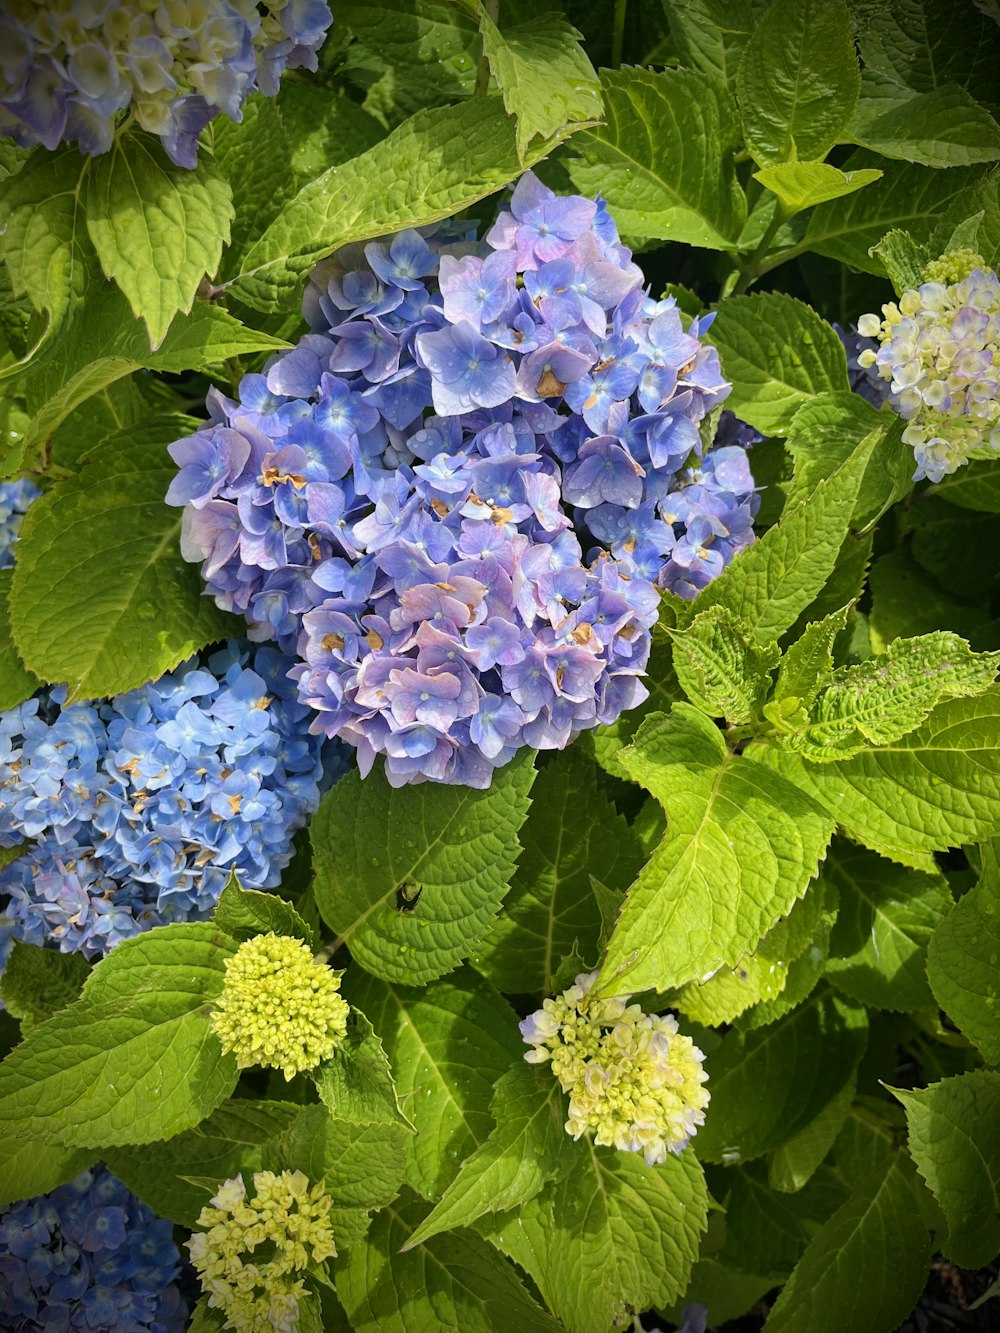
975, 486
677, 183
30, 1169
448, 1045
526, 1150
446, 855
778, 354
906, 599
781, 574
798, 81
808, 662
255, 158
768, 1085
800, 185
739, 846
709, 35
962, 960
361, 1165
16, 682
543, 74
246, 913
356, 1082
758, 977
795, 1163
937, 787
36, 982
886, 697
952, 1132
434, 165
101, 598
766, 1231
926, 44
324, 125
908, 196
455, 1281
134, 1059
878, 949
865, 1268
945, 128
572, 833
720, 667
44, 241
611, 1235
903, 259
229, 1142
827, 429
157, 228
428, 49
102, 344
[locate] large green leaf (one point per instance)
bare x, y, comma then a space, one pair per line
16, 682
799, 185
454, 1281
778, 354
434, 165
798, 81
937, 787
664, 158
782, 573
768, 1085
101, 598
722, 669
167, 1175
356, 1083
923, 45
527, 1149
572, 832
963, 960
944, 128
710, 34
448, 1044
954, 1141
543, 74
865, 1267
158, 229
976, 486
37, 982
412, 877
738, 851
878, 948
134, 1059
612, 1234
767, 1231
256, 158
29, 1169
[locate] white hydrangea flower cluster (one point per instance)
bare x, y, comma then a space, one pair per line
940, 351
634, 1081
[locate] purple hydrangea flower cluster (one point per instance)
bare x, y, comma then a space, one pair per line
454, 501
68, 67
90, 1255
138, 809
15, 497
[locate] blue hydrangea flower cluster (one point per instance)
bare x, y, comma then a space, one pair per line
90, 1255
68, 67
15, 497
456, 498
138, 809
938, 350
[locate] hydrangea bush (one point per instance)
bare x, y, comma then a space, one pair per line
499, 722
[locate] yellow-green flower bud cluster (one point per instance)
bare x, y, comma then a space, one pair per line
634, 1081
940, 351
289, 1221
279, 1007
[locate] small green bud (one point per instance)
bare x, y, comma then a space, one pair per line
279, 1007
955, 266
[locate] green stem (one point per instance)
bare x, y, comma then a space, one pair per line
618, 33
491, 8
756, 265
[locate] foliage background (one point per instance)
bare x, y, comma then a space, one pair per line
791, 840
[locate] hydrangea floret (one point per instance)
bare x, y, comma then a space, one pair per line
279, 1006
137, 809
456, 499
939, 349
287, 1220
634, 1081
15, 498
90, 1255
68, 68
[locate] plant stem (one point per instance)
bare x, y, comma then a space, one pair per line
492, 11
618, 33
756, 264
